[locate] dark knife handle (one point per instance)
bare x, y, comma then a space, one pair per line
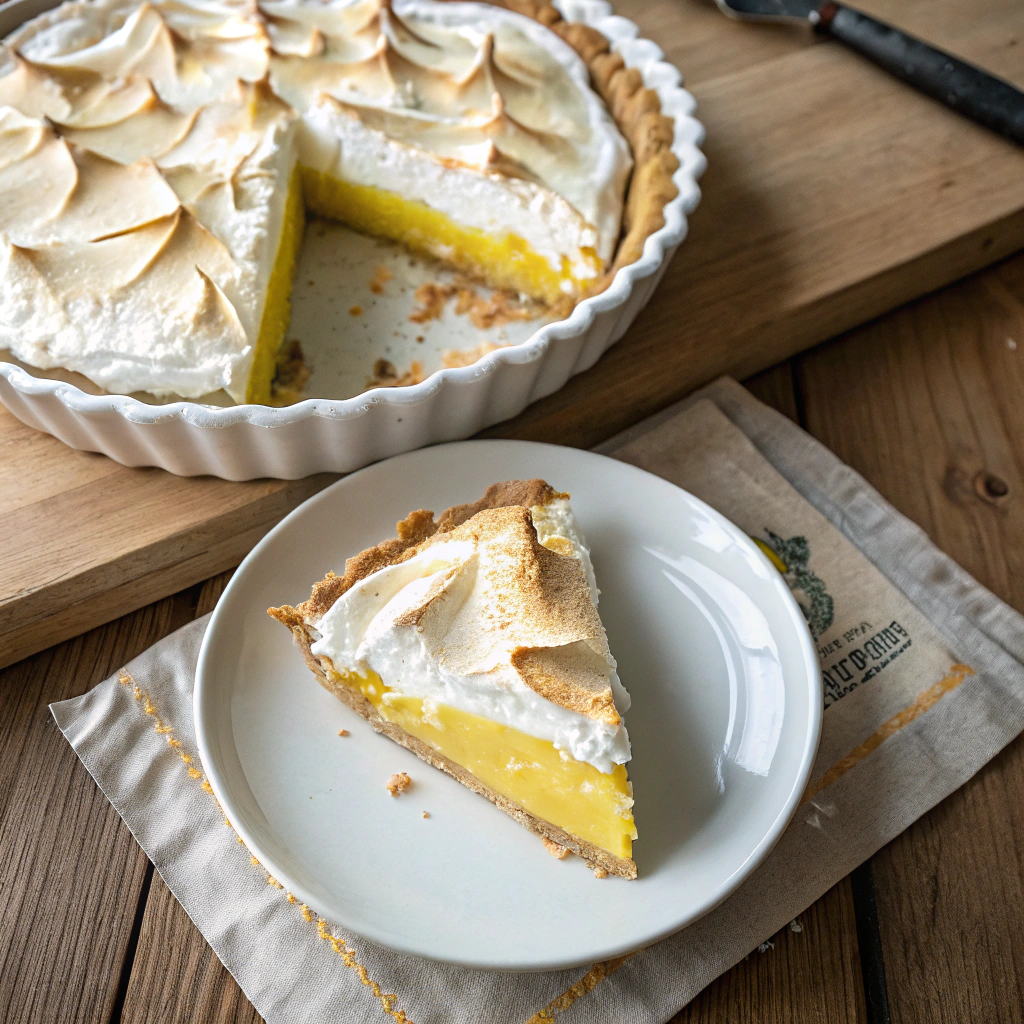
967, 89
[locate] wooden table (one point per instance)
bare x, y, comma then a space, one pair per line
927, 404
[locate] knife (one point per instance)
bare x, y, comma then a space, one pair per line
976, 94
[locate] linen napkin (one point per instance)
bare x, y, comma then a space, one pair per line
924, 683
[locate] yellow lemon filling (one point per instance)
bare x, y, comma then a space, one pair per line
277, 307
529, 771
503, 262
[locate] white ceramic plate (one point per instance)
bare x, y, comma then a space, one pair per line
724, 725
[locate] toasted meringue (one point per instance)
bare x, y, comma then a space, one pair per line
463, 130
149, 275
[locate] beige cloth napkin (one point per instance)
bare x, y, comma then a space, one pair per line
924, 684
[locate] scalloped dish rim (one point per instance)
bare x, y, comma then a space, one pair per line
692, 164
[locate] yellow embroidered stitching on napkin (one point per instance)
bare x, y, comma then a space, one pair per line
957, 674
591, 979
388, 1000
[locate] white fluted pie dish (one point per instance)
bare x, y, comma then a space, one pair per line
319, 434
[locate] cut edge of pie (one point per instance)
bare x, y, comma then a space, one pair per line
636, 111
508, 262
363, 694
271, 351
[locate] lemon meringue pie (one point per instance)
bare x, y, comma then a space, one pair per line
157, 160
475, 642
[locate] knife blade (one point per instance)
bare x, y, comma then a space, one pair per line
770, 10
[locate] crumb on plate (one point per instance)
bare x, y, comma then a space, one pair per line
291, 374
381, 276
343, 732
452, 358
385, 375
430, 301
426, 814
555, 849
502, 307
398, 783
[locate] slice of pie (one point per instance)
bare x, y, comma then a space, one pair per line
474, 641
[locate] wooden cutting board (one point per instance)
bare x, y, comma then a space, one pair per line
833, 194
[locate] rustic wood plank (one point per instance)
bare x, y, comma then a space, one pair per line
950, 898
710, 45
210, 553
175, 975
33, 469
869, 943
834, 193
808, 975
107, 554
776, 387
926, 404
70, 871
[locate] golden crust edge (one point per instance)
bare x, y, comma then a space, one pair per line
593, 855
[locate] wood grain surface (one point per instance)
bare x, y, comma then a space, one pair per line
176, 976
81, 550
71, 874
834, 194
809, 971
925, 403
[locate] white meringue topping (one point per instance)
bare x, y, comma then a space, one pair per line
146, 149
449, 624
